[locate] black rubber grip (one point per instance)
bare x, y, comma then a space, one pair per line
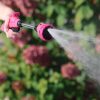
15, 29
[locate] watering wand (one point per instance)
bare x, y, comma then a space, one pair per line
42, 29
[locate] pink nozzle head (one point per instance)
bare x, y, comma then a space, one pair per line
42, 30
13, 22
14, 19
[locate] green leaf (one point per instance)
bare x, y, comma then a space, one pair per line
87, 12
50, 10
78, 26
55, 78
60, 20
78, 19
90, 29
42, 86
83, 12
49, 97
78, 3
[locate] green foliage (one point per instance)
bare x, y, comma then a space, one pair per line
48, 83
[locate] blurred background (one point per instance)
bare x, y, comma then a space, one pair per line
31, 69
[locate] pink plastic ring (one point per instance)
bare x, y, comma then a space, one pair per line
43, 32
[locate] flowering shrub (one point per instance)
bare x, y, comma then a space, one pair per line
3, 77
26, 6
22, 75
69, 71
17, 86
22, 38
36, 54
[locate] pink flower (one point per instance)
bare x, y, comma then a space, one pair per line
69, 71
27, 7
22, 38
17, 86
97, 46
8, 2
36, 54
28, 98
90, 89
3, 77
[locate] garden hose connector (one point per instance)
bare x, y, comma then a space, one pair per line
42, 30
14, 20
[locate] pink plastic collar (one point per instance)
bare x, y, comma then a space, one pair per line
40, 30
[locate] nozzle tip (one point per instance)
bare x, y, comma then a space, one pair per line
42, 30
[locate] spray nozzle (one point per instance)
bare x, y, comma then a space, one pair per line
42, 30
